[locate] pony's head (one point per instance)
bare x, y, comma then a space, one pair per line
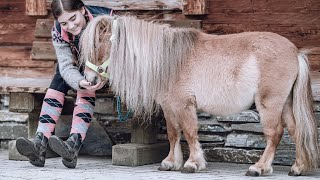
95, 45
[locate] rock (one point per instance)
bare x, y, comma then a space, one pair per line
245, 140
232, 155
245, 116
248, 127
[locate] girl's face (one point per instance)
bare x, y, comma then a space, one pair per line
73, 22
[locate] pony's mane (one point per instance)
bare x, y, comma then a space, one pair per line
146, 57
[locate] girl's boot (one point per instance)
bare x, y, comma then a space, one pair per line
51, 109
82, 116
35, 150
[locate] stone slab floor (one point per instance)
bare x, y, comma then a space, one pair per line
101, 168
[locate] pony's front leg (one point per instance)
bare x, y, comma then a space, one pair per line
174, 160
189, 123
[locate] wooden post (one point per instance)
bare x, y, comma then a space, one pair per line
36, 7
195, 7
143, 133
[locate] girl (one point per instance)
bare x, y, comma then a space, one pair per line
71, 17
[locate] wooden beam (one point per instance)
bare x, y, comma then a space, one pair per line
43, 50
135, 4
43, 28
36, 8
195, 7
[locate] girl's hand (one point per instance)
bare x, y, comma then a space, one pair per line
87, 85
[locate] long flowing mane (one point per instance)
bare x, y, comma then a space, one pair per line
146, 57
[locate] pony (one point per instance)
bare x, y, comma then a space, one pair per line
181, 70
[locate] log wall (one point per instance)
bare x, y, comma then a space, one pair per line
299, 21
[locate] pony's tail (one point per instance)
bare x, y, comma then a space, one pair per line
306, 132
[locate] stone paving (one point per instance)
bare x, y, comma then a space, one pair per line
90, 167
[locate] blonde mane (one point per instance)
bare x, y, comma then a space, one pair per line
146, 58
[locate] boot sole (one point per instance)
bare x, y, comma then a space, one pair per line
58, 146
26, 148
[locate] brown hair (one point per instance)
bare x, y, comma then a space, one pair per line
58, 6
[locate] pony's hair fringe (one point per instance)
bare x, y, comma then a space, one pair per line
146, 58
149, 57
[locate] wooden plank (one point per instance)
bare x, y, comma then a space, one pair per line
16, 34
9, 53
274, 6
260, 18
13, 12
301, 36
43, 50
43, 28
195, 7
28, 63
135, 4
36, 8
21, 102
26, 72
183, 23
315, 82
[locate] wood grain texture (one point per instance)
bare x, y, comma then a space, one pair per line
135, 4
36, 8
195, 7
16, 28
43, 50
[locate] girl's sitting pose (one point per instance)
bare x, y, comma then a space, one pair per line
71, 17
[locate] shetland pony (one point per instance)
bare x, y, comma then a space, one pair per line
151, 65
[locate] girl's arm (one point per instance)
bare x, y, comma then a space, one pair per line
68, 71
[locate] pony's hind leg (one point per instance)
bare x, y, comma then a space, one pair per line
270, 114
174, 160
288, 119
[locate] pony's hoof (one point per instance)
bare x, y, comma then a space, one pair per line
252, 173
163, 168
292, 173
188, 170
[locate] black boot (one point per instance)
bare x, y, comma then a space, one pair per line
34, 150
68, 149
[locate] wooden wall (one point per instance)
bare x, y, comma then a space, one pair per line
16, 37
298, 20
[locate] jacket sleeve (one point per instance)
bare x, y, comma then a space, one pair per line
68, 71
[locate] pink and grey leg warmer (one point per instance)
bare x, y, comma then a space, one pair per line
52, 108
83, 112
50, 112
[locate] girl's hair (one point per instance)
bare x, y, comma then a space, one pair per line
58, 6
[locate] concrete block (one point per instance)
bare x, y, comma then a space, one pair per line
104, 106
139, 154
15, 155
13, 131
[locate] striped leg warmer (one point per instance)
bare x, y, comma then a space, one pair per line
50, 112
83, 112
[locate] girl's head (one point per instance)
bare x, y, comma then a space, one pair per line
70, 14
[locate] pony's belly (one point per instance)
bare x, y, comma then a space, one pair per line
226, 103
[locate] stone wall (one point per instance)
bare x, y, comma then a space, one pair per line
12, 125
239, 138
